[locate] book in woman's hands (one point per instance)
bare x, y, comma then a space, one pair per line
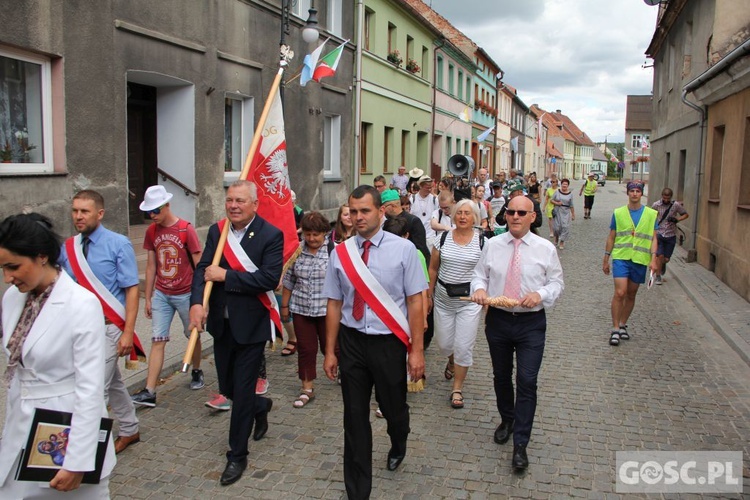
48, 442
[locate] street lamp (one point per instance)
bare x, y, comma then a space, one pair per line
309, 32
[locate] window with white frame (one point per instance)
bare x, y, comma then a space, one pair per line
636, 141
301, 7
334, 17
238, 131
25, 113
332, 147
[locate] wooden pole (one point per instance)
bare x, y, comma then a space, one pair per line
194, 335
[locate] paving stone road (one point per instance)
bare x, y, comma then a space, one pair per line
676, 385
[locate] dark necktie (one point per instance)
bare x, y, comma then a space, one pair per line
85, 241
358, 308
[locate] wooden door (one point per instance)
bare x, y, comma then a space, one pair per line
142, 159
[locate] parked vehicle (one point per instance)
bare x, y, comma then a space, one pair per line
600, 177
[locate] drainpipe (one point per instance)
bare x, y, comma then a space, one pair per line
434, 105
498, 82
692, 252
360, 10
691, 86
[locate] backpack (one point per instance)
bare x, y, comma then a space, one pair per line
182, 231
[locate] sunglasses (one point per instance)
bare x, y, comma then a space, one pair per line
521, 213
155, 211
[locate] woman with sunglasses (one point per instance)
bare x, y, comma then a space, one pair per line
548, 206
452, 263
54, 341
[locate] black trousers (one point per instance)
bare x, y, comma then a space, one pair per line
237, 367
367, 361
523, 334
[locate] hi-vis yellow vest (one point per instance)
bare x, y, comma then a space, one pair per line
589, 188
634, 243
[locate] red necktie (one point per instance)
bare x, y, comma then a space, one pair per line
358, 308
513, 276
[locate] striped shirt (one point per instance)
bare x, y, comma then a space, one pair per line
457, 262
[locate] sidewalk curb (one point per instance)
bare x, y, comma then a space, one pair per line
727, 332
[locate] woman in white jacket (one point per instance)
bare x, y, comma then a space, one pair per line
53, 336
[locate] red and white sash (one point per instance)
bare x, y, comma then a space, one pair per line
239, 261
372, 291
113, 309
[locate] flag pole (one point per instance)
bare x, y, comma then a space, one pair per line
194, 335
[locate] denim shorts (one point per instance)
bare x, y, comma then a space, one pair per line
665, 245
163, 307
630, 270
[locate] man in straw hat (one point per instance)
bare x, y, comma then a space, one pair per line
173, 251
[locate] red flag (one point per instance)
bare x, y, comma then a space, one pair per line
270, 174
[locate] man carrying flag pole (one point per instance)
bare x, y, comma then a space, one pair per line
237, 275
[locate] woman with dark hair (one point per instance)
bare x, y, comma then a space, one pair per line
53, 336
534, 187
303, 297
405, 204
344, 227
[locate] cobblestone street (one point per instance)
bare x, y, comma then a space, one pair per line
676, 385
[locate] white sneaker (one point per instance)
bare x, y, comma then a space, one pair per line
657, 279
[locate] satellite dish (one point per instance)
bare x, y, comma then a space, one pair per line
652, 2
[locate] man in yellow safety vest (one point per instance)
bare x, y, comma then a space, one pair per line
588, 190
632, 245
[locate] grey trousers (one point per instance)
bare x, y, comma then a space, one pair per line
115, 393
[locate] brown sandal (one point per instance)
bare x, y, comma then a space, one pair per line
305, 396
288, 351
457, 402
449, 370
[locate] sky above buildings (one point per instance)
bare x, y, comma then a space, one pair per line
582, 57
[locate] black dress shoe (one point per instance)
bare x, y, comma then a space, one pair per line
503, 432
261, 422
520, 460
232, 472
394, 460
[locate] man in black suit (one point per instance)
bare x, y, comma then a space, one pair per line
236, 317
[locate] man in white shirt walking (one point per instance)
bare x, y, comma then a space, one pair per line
520, 329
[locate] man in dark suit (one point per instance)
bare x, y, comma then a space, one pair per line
236, 317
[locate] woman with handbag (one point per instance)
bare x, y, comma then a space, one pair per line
53, 336
452, 264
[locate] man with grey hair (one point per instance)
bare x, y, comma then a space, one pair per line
240, 312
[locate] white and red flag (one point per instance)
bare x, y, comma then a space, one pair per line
270, 173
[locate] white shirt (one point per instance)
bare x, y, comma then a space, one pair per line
423, 208
444, 220
540, 269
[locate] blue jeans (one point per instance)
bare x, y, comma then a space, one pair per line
163, 307
525, 335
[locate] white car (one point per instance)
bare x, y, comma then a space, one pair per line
600, 176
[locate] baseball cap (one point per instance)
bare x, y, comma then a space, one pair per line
389, 195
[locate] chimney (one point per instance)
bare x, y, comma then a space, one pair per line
559, 112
